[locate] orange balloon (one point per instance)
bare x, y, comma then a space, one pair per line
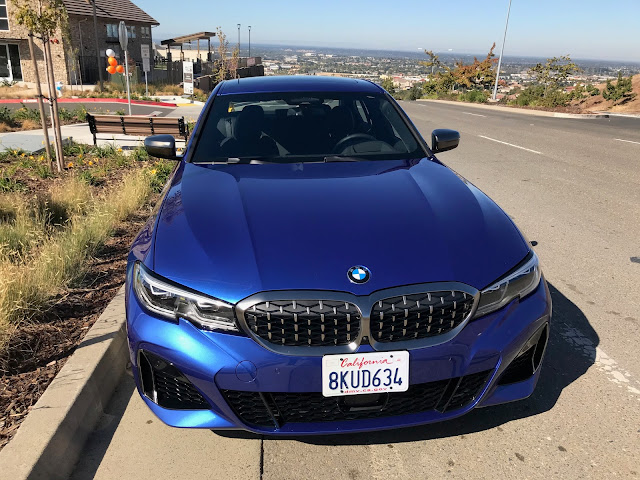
120, 69
112, 62
111, 69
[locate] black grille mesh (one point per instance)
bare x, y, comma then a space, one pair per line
468, 390
314, 407
305, 322
167, 386
422, 315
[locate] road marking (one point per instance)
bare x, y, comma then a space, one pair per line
474, 114
628, 141
511, 145
601, 360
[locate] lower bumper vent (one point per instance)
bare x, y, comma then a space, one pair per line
529, 359
165, 385
276, 409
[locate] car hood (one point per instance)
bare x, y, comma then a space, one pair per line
234, 230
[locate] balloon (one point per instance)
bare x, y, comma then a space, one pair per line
120, 69
111, 53
111, 69
113, 62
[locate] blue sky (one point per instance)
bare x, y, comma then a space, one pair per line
584, 29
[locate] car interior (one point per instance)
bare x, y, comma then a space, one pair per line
303, 126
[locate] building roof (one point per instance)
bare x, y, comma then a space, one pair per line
297, 83
177, 41
112, 9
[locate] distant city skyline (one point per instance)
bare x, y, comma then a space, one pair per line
584, 29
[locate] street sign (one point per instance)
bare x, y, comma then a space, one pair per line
187, 78
122, 35
146, 55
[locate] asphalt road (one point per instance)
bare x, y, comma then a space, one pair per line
573, 186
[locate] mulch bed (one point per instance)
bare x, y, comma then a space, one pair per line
39, 350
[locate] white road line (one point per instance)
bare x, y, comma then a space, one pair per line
474, 114
601, 360
511, 145
628, 141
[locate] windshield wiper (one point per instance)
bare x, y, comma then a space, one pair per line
338, 158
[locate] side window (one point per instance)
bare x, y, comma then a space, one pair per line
112, 30
4, 17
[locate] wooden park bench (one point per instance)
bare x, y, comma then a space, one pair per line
137, 125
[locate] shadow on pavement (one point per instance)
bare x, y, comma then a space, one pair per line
563, 365
101, 437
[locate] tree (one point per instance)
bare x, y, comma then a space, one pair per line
223, 51
444, 79
477, 75
387, 84
621, 92
554, 73
43, 18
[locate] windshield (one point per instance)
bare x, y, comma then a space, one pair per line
304, 127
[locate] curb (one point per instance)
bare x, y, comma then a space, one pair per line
49, 442
522, 111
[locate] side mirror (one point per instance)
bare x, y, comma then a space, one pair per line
443, 139
161, 146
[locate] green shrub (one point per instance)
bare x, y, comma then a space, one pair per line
474, 96
24, 113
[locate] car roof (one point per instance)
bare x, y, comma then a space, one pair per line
296, 83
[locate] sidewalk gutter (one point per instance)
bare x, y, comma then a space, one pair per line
523, 111
49, 442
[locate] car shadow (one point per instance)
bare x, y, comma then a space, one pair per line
563, 365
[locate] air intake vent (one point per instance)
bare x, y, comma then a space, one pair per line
165, 385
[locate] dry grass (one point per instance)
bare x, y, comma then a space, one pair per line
17, 92
28, 285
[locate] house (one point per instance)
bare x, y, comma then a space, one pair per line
74, 53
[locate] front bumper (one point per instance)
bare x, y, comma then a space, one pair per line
216, 362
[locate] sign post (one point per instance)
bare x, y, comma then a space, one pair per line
146, 64
124, 42
187, 77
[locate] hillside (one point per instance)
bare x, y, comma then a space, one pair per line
599, 104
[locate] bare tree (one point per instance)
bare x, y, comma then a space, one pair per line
43, 19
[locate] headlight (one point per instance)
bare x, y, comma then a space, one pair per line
524, 280
171, 301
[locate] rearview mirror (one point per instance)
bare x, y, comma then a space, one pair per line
443, 139
161, 146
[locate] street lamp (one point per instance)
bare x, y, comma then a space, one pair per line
495, 88
238, 39
249, 41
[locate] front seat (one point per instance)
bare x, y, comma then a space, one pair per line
248, 138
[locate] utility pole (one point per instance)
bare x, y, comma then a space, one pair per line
249, 41
95, 28
495, 88
43, 118
238, 39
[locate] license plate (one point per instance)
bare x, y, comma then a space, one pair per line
363, 373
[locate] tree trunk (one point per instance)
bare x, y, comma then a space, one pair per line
43, 118
54, 104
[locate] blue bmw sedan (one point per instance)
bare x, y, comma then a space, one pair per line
313, 268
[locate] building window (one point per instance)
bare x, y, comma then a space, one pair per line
131, 31
4, 18
145, 32
112, 30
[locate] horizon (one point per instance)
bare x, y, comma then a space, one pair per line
545, 29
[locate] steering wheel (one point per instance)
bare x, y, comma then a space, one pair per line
363, 137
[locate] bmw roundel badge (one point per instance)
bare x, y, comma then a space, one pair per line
359, 274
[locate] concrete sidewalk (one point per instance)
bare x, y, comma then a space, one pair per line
33, 140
